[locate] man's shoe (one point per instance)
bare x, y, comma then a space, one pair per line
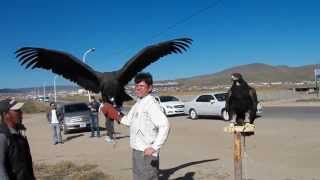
109, 140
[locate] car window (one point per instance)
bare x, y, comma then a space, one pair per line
221, 97
75, 108
168, 98
205, 98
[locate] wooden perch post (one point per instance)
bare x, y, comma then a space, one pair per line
237, 156
238, 131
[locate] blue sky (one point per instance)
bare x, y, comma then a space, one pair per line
226, 33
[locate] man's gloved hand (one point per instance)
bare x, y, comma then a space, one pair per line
109, 111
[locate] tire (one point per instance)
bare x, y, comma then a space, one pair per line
224, 115
193, 114
65, 131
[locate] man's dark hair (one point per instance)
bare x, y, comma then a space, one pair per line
146, 77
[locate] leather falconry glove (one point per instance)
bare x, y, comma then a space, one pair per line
109, 111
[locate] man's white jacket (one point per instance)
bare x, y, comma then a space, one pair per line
149, 127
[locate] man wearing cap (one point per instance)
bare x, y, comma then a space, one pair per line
15, 156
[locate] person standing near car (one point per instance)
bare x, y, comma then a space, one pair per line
55, 118
109, 123
149, 129
15, 156
94, 108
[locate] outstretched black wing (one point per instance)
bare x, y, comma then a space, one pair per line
60, 63
149, 55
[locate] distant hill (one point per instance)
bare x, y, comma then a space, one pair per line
256, 72
10, 90
40, 89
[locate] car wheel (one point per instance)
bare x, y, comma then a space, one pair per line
65, 131
193, 114
224, 115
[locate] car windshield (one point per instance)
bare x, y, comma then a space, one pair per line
221, 97
168, 98
75, 108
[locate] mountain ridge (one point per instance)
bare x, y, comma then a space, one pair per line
255, 72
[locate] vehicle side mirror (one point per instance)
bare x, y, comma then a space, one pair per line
212, 101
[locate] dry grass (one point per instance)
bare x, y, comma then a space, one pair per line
35, 107
67, 170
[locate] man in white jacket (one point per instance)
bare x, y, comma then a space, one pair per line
149, 129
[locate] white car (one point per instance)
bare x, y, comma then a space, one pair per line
170, 105
211, 104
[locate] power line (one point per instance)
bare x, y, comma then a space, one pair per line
182, 21
186, 19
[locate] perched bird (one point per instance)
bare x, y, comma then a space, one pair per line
110, 84
241, 99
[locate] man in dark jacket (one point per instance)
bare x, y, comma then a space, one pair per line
94, 119
15, 156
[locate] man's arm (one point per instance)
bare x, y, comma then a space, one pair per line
49, 116
161, 122
60, 116
126, 120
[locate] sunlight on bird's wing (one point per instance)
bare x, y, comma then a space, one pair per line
149, 55
60, 63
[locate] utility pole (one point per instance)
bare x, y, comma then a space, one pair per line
44, 91
54, 88
316, 75
84, 60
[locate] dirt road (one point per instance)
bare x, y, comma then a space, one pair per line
281, 149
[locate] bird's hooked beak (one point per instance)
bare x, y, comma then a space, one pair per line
233, 78
236, 80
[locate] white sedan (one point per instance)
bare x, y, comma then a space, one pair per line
211, 104
170, 105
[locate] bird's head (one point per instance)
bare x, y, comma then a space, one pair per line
236, 78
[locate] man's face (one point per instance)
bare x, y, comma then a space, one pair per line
15, 117
53, 106
142, 89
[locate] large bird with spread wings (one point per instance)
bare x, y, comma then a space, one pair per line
110, 84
